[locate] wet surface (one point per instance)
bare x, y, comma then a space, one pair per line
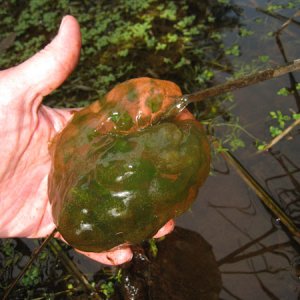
161, 166
229, 231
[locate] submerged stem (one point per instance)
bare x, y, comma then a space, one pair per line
261, 193
36, 252
72, 268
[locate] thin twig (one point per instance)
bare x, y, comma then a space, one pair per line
283, 53
261, 193
277, 16
72, 268
235, 253
288, 22
258, 252
282, 135
34, 255
244, 81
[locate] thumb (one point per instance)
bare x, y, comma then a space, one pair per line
46, 70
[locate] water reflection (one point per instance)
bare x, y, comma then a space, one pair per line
254, 256
296, 267
185, 268
286, 185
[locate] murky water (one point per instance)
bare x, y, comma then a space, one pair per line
257, 258
229, 245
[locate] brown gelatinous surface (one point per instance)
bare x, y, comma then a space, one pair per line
121, 171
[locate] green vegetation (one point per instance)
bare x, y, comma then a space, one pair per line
277, 7
144, 38
42, 278
153, 247
281, 121
32, 277
107, 288
234, 50
283, 92
244, 32
181, 41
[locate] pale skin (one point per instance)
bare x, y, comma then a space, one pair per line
26, 128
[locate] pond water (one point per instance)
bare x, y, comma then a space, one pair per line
229, 245
257, 258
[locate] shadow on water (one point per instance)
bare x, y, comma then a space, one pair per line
288, 196
185, 268
228, 246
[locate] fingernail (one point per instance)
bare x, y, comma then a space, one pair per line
62, 23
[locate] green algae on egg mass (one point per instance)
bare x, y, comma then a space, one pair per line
114, 181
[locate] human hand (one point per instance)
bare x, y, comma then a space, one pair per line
26, 128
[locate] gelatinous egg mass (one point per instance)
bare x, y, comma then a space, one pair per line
120, 170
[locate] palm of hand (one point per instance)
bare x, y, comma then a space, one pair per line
25, 133
26, 127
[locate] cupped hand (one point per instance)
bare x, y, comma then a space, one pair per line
26, 128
